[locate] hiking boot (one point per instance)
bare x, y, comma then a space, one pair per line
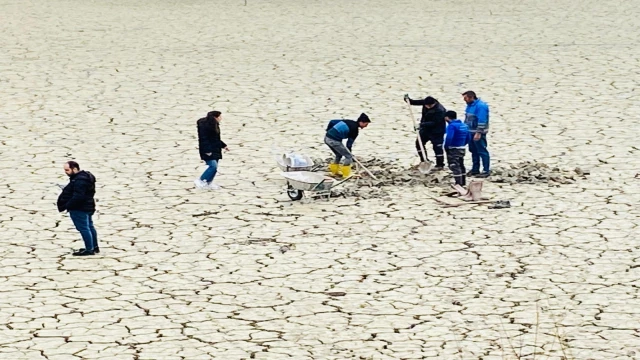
95, 250
484, 175
473, 173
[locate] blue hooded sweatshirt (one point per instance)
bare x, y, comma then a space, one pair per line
457, 134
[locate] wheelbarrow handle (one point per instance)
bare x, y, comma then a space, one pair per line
318, 185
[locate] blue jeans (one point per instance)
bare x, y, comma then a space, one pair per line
84, 224
478, 150
211, 171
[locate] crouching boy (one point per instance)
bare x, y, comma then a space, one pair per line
337, 131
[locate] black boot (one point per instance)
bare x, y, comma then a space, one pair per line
463, 180
84, 252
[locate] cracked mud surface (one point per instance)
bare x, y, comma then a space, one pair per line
243, 272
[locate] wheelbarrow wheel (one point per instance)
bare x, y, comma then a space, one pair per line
294, 194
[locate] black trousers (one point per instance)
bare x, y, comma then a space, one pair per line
436, 141
455, 159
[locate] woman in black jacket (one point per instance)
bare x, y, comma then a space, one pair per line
210, 146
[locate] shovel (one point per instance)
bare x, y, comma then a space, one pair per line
425, 166
363, 167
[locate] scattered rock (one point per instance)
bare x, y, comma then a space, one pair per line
336, 293
533, 172
390, 174
206, 213
501, 204
387, 174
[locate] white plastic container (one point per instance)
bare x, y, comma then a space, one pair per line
290, 161
295, 160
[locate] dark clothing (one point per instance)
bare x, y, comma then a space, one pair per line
78, 194
83, 222
455, 159
209, 141
436, 141
343, 129
432, 121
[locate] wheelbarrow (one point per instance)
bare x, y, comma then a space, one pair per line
316, 183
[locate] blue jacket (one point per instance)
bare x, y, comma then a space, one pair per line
477, 117
343, 129
457, 134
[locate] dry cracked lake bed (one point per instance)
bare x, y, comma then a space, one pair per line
380, 270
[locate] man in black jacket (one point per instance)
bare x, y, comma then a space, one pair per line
77, 199
432, 127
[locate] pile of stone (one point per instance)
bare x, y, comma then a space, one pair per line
352, 190
390, 174
387, 174
533, 172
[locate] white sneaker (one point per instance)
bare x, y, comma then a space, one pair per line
213, 186
200, 184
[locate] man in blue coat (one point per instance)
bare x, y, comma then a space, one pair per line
337, 131
477, 119
455, 142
